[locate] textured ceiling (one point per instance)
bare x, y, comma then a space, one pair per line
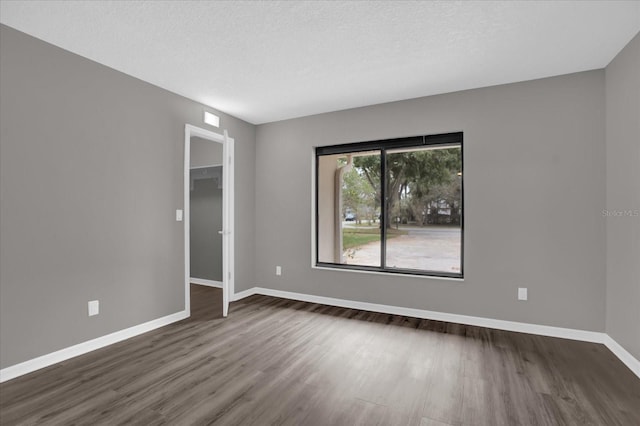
268, 61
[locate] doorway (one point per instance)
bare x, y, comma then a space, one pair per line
205, 213
208, 190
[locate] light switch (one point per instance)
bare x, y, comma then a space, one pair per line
179, 215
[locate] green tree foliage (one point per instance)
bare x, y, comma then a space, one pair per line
358, 196
416, 181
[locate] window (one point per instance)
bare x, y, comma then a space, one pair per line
391, 206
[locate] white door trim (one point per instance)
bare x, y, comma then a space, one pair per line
228, 272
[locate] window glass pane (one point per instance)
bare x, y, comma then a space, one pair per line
349, 208
424, 209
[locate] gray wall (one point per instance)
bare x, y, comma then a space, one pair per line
91, 172
205, 152
206, 221
534, 157
623, 194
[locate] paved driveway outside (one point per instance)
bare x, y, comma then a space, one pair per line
428, 248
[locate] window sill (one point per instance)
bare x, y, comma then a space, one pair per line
390, 274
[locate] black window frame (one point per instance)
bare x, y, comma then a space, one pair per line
383, 145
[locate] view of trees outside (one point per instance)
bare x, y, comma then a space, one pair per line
361, 211
424, 196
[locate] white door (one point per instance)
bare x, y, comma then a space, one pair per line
227, 224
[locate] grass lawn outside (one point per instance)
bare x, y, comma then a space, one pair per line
355, 237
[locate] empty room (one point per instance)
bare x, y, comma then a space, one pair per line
320, 213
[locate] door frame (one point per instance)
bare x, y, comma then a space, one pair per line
228, 234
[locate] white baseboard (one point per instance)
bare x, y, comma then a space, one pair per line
521, 327
43, 361
208, 283
26, 367
623, 355
243, 294
542, 330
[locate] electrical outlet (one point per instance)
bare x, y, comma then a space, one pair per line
278, 270
94, 307
522, 293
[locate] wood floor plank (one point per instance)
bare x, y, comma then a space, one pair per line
284, 362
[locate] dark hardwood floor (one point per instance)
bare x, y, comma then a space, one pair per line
275, 361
